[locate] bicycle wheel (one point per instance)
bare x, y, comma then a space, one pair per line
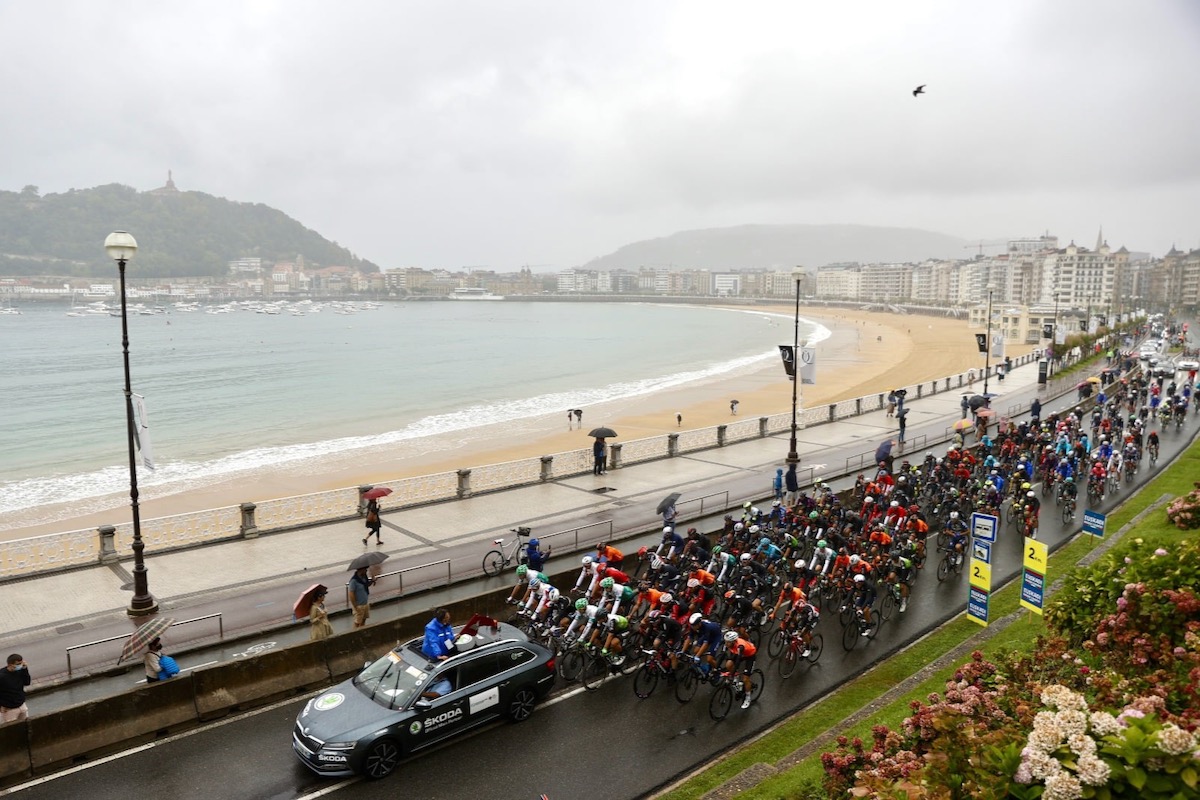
943, 539
777, 643
943, 568
594, 671
721, 702
493, 563
846, 614
1068, 513
645, 681
850, 636
872, 627
685, 687
570, 665
815, 645
757, 681
754, 636
888, 605
791, 657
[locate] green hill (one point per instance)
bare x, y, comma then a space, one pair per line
179, 234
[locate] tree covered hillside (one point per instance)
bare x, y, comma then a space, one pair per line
179, 233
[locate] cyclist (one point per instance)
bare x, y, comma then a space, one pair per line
602, 574
741, 661
769, 550
589, 568
524, 577
1069, 490
741, 609
958, 541
723, 562
1032, 507
1152, 443
900, 572
703, 640
615, 629
672, 543
791, 596
864, 598
546, 596
605, 552
1096, 480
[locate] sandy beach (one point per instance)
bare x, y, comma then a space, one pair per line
866, 353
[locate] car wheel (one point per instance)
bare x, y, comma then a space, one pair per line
382, 757
522, 705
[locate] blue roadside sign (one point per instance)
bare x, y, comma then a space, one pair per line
1093, 523
981, 551
983, 527
977, 605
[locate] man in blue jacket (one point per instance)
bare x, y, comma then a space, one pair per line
439, 636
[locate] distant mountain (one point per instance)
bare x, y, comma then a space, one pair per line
179, 234
783, 247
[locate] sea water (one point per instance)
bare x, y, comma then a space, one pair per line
245, 390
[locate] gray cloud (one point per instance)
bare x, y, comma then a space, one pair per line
475, 133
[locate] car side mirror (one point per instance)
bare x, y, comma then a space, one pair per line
366, 664
422, 704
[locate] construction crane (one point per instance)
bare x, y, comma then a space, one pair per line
982, 244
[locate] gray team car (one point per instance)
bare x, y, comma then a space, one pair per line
365, 725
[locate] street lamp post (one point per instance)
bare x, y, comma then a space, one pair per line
120, 247
793, 457
1053, 338
987, 354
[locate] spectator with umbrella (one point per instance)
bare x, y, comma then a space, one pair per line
600, 449
311, 604
360, 585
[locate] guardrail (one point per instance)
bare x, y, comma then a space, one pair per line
125, 637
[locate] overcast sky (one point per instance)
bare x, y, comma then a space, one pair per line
451, 134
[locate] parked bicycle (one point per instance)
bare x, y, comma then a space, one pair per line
496, 561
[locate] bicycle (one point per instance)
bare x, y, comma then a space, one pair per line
656, 667
497, 560
951, 562
1068, 510
730, 688
691, 677
857, 627
795, 652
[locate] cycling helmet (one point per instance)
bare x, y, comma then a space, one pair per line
587, 561
535, 583
776, 504
854, 559
813, 515
654, 612
581, 604
746, 504
655, 562
521, 570
665, 598
822, 544
642, 551
1070, 479
868, 499
755, 511
860, 578
746, 556
953, 515
667, 529
738, 527
607, 583
693, 583
755, 529
1025, 485
730, 637
694, 618
764, 541
716, 550
533, 543
894, 504
1029, 494
730, 594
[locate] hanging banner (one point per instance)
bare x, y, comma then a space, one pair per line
997, 345
141, 431
808, 365
788, 354
981, 342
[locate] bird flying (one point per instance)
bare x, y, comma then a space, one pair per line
919, 90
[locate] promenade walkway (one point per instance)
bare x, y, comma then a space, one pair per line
252, 583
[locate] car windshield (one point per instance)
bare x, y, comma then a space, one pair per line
391, 681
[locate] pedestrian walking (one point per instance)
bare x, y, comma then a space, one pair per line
599, 456
1035, 410
360, 596
579, 417
777, 484
733, 404
570, 417
902, 418
319, 626
965, 405
374, 523
159, 665
678, 420
13, 681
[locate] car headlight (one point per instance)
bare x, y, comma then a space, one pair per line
339, 745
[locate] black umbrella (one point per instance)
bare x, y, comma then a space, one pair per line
883, 451
977, 401
367, 560
666, 502
602, 433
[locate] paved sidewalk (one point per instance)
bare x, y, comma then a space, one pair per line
252, 583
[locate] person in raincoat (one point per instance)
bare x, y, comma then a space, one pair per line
318, 619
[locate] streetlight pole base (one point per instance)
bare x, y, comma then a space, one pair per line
142, 606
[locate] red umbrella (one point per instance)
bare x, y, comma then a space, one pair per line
304, 603
376, 493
